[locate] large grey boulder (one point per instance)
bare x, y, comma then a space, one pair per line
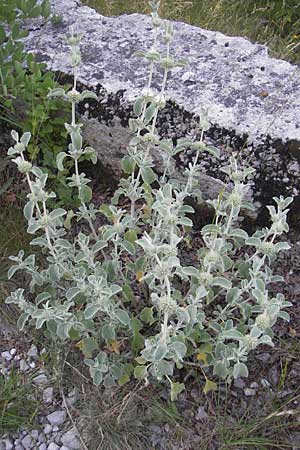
252, 100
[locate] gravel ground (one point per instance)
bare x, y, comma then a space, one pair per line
54, 430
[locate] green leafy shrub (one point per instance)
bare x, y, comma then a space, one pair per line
23, 92
124, 291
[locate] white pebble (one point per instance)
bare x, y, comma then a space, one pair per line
27, 442
53, 446
42, 447
48, 395
70, 439
40, 379
23, 365
34, 434
32, 352
6, 355
8, 444
57, 417
48, 429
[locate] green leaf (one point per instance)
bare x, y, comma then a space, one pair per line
99, 246
220, 370
131, 236
91, 311
281, 246
46, 9
59, 160
22, 321
127, 292
148, 175
138, 106
221, 282
138, 341
232, 334
89, 345
72, 293
97, 377
176, 389
240, 370
239, 233
67, 222
128, 164
160, 351
28, 210
108, 332
191, 271
85, 194
209, 386
25, 138
129, 247
57, 213
140, 372
150, 112
106, 211
147, 316
76, 140
122, 316
179, 348
123, 379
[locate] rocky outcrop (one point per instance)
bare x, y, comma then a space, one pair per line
252, 100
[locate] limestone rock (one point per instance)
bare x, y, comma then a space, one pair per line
252, 100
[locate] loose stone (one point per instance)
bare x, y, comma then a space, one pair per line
27, 442
6, 355
40, 379
43, 447
53, 446
70, 439
48, 429
250, 392
23, 365
33, 352
8, 444
48, 395
35, 434
57, 417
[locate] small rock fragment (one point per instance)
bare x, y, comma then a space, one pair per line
33, 352
8, 444
23, 365
249, 392
48, 429
239, 383
70, 439
35, 434
57, 417
201, 414
40, 379
42, 447
42, 437
48, 395
6, 355
27, 442
53, 446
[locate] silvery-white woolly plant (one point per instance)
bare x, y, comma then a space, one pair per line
123, 292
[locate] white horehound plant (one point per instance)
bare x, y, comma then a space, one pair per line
123, 292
